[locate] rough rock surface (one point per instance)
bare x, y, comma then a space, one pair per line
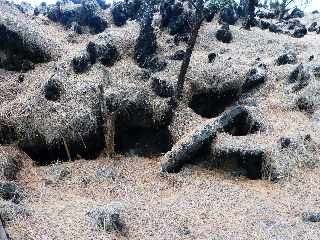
119, 115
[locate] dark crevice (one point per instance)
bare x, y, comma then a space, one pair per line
16, 55
43, 153
212, 103
247, 163
141, 141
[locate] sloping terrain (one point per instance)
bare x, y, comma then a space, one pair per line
256, 178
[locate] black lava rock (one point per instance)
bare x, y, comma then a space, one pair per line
146, 46
118, 12
212, 57
224, 34
300, 31
305, 104
312, 217
275, 28
175, 17
287, 58
163, 88
299, 77
313, 27
9, 191
285, 142
53, 90
80, 62
91, 16
263, 24
255, 77
181, 38
228, 15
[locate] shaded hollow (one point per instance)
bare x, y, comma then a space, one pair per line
248, 163
43, 153
18, 53
142, 141
212, 102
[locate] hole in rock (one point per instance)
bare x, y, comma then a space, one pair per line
16, 54
142, 141
247, 163
212, 103
43, 153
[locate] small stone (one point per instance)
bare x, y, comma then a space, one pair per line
20, 78
107, 218
212, 57
312, 217
9, 191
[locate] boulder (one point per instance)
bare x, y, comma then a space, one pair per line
224, 34
181, 38
296, 13
266, 13
133, 8
92, 16
23, 40
299, 78
287, 58
228, 15
299, 31
255, 77
311, 217
209, 11
54, 12
69, 13
26, 8
175, 17
81, 62
103, 49
118, 12
146, 46
305, 104
313, 27
9, 167
53, 89
41, 9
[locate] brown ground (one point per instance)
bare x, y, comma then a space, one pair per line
195, 203
209, 204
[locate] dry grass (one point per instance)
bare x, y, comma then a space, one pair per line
195, 203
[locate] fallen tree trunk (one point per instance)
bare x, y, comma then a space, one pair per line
191, 144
